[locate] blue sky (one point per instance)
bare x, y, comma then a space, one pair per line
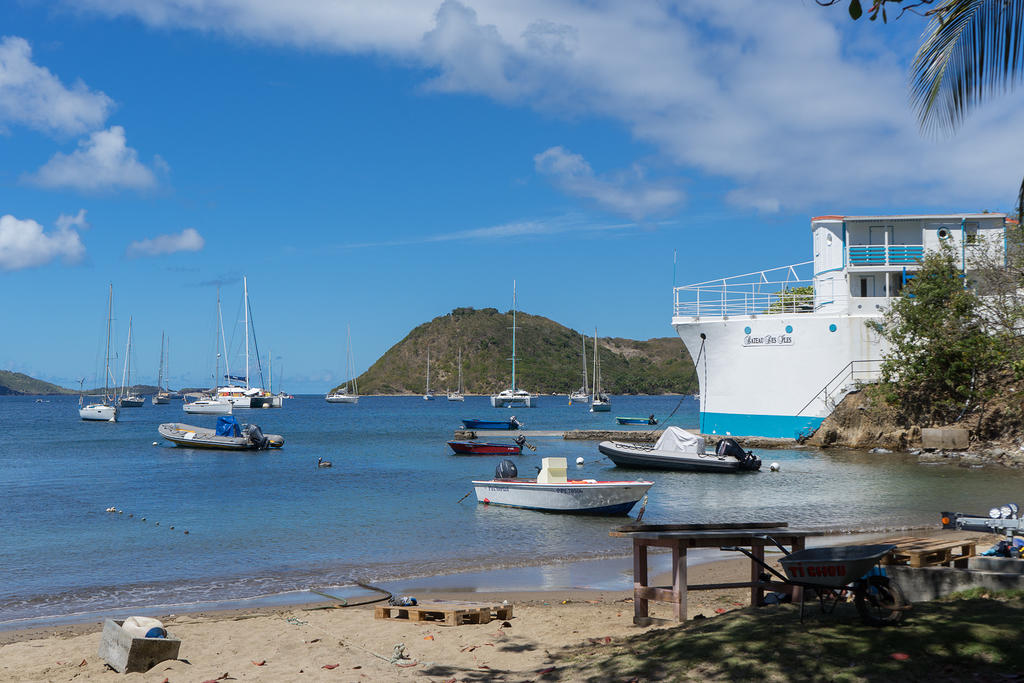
377, 164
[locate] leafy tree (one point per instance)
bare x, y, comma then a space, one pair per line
792, 299
942, 360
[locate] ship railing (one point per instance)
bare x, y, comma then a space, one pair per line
786, 289
884, 254
852, 376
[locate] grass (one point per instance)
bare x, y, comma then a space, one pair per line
968, 636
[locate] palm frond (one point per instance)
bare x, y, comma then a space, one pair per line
972, 49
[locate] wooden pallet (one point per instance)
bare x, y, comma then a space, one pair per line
447, 612
925, 552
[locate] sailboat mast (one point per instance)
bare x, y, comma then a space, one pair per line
160, 376
428, 372
513, 336
106, 361
223, 341
245, 290
594, 390
460, 370
583, 344
126, 375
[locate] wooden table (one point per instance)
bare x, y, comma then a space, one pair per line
681, 537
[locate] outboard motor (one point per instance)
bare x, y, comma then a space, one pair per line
729, 447
506, 469
516, 424
256, 437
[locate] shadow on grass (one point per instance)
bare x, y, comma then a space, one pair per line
939, 641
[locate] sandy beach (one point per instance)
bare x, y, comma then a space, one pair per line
324, 642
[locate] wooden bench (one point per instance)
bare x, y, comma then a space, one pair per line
447, 612
926, 552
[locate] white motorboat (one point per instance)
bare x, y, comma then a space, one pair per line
599, 401
513, 397
458, 394
552, 491
349, 392
105, 409
207, 406
679, 450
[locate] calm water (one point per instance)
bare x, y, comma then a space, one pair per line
388, 509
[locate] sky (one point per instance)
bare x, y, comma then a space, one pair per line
373, 165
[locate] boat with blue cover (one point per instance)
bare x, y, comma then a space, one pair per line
511, 423
229, 435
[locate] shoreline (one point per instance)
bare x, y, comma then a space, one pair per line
600, 575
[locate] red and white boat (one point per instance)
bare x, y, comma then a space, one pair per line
552, 491
481, 448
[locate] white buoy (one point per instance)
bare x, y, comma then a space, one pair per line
156, 443
774, 467
579, 461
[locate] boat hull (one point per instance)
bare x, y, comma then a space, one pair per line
456, 397
99, 412
202, 407
490, 424
635, 421
600, 407
160, 400
341, 398
499, 401
477, 448
576, 497
132, 402
202, 437
644, 457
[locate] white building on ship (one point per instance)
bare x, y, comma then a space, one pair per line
772, 359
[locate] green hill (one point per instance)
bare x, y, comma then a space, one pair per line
16, 383
548, 354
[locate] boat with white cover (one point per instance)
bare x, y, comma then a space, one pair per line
552, 491
229, 435
678, 449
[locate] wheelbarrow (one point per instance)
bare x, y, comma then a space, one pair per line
832, 572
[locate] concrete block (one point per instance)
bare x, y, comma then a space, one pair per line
928, 583
944, 438
126, 654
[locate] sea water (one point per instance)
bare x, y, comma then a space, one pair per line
391, 507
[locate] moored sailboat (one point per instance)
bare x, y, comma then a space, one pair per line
582, 395
513, 397
349, 392
105, 409
457, 395
428, 395
129, 399
599, 401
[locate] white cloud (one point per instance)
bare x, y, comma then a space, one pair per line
774, 98
32, 96
24, 243
102, 162
628, 193
188, 239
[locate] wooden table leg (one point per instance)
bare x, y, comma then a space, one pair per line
756, 591
679, 580
639, 579
797, 593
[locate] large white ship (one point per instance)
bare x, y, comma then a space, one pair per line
776, 350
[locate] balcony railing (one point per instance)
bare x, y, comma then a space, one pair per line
885, 255
766, 291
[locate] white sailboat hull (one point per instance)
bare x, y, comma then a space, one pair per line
341, 398
580, 497
509, 399
456, 397
99, 412
207, 407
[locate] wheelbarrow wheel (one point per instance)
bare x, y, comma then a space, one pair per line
880, 601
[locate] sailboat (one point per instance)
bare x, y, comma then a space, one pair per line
428, 395
349, 393
599, 401
513, 397
105, 409
582, 395
128, 399
161, 397
246, 396
212, 405
457, 395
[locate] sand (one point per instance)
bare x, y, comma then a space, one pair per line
547, 629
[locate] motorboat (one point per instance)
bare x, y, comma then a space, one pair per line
481, 448
228, 435
207, 406
637, 420
552, 491
513, 397
511, 423
678, 449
